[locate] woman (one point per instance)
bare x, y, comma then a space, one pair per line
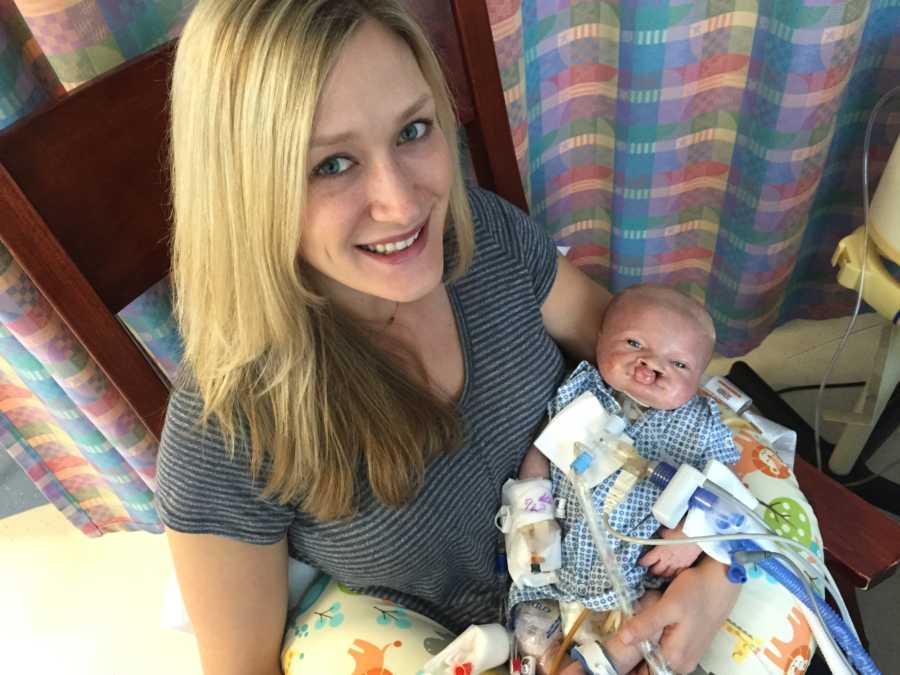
369, 348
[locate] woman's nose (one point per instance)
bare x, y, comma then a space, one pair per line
392, 194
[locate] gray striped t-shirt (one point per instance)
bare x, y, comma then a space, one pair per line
436, 555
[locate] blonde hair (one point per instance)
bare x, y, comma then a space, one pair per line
281, 371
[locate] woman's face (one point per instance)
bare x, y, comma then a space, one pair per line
379, 186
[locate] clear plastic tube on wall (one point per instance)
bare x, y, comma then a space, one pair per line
650, 651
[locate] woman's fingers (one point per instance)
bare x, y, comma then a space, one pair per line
691, 611
649, 623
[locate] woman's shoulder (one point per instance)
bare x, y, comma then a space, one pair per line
504, 232
490, 212
481, 199
184, 413
203, 486
189, 436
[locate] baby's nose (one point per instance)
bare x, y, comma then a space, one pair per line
649, 362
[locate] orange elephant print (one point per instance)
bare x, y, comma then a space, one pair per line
757, 457
369, 658
793, 656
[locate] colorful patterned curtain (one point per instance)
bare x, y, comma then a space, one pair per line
711, 144
60, 418
26, 78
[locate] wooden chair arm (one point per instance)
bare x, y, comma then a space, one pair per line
858, 537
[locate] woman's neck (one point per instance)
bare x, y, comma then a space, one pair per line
368, 310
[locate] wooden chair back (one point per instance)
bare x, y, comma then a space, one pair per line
85, 197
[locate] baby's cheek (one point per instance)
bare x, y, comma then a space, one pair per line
673, 391
600, 356
609, 364
615, 378
684, 391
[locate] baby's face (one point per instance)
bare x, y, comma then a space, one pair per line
654, 354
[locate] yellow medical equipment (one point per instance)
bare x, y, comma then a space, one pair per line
860, 261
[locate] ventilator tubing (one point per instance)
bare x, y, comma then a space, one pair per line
835, 625
702, 498
839, 631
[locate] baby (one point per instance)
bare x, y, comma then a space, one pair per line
653, 347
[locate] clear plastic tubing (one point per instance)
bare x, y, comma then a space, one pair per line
649, 650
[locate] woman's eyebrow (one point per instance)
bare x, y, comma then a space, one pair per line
414, 107
409, 111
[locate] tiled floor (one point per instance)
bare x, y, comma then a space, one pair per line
76, 606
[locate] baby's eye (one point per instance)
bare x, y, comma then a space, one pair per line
633, 343
333, 166
681, 365
415, 130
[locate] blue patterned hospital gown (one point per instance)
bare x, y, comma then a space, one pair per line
693, 433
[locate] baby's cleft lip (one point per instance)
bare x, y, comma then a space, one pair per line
644, 375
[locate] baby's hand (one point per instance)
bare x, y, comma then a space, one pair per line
669, 560
534, 465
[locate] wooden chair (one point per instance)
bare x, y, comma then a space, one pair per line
83, 190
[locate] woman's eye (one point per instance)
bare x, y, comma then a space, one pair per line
681, 365
414, 131
333, 166
633, 343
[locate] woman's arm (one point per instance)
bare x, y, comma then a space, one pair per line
690, 613
236, 597
573, 310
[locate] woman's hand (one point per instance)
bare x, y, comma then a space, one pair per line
691, 611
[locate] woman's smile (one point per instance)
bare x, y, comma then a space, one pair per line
395, 250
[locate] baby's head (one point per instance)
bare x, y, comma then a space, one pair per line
654, 345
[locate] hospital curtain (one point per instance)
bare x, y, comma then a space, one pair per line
711, 144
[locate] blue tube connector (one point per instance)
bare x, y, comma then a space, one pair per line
737, 573
581, 463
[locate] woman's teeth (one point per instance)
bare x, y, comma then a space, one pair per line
393, 247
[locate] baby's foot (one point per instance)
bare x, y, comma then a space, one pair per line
625, 657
